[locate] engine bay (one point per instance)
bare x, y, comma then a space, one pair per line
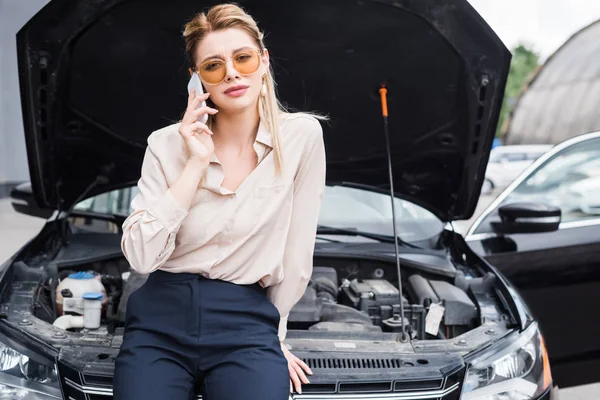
343, 295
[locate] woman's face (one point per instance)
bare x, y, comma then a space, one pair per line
241, 85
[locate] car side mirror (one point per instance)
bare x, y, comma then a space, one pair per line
527, 218
23, 202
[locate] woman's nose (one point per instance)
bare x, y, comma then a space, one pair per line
232, 73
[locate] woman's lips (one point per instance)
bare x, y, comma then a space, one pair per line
236, 91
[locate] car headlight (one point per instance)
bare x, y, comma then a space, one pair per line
518, 370
26, 377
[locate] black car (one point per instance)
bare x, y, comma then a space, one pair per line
557, 269
98, 76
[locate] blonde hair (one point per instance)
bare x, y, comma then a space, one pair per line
224, 16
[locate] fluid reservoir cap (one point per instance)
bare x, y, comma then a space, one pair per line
92, 296
81, 275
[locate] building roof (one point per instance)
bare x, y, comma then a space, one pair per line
563, 99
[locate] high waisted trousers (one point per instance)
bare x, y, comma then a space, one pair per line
183, 331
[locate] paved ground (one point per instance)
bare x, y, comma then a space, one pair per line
16, 230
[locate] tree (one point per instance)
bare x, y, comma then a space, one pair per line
525, 62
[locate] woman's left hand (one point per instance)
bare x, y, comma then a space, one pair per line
297, 368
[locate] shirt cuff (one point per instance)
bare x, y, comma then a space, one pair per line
282, 328
168, 212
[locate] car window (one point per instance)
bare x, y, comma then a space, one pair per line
496, 155
570, 179
510, 157
500, 155
114, 202
534, 155
342, 207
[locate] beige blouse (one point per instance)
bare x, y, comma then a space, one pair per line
263, 232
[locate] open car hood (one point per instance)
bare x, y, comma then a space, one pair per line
97, 77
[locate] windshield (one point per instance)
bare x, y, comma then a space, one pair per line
342, 207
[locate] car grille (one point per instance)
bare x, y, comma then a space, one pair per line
353, 363
78, 385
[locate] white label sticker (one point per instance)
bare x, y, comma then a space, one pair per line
345, 345
433, 318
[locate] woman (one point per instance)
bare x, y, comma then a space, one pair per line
225, 224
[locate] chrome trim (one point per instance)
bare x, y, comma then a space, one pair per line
549, 220
100, 391
510, 188
423, 395
564, 225
579, 224
432, 394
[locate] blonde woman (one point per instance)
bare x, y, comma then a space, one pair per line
224, 224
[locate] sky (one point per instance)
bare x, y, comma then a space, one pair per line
544, 24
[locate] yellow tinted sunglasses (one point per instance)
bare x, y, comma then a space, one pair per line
246, 61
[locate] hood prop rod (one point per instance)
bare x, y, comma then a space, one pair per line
384, 112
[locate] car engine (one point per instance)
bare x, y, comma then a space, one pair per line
335, 300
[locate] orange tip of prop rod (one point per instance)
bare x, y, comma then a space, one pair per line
384, 108
547, 376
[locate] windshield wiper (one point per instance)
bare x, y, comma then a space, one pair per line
332, 230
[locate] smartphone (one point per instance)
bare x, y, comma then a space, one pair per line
195, 84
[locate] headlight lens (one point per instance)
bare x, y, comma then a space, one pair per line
26, 378
517, 371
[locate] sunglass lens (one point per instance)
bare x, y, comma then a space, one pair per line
247, 62
213, 72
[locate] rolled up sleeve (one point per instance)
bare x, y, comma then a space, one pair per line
309, 185
150, 230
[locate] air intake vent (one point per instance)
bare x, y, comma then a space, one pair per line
365, 387
95, 380
354, 363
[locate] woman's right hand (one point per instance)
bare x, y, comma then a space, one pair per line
197, 136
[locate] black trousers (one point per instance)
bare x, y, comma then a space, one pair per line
182, 330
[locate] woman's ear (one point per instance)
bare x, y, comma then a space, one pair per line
191, 72
265, 59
